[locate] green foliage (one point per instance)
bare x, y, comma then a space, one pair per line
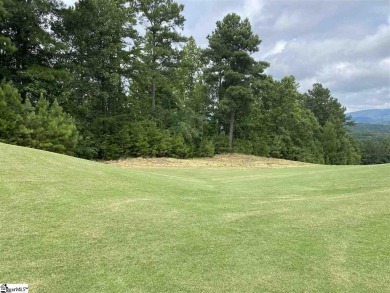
376, 151
161, 19
148, 141
28, 48
232, 69
96, 34
44, 127
221, 144
206, 148
178, 148
324, 106
374, 140
103, 60
11, 114
362, 131
243, 146
260, 146
6, 45
280, 126
144, 139
339, 147
52, 129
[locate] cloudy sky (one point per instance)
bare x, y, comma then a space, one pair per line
343, 44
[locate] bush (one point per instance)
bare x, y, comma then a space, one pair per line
86, 148
221, 144
147, 140
260, 146
206, 148
178, 147
243, 147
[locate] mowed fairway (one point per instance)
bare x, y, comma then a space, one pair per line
69, 225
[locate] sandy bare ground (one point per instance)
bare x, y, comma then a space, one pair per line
219, 161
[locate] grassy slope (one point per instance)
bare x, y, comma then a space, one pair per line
69, 225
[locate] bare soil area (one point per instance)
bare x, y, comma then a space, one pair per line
218, 161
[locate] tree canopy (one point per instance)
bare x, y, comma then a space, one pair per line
105, 79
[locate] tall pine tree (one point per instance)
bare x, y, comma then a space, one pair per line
97, 34
232, 69
28, 48
160, 19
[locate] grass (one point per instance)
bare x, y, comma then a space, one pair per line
69, 225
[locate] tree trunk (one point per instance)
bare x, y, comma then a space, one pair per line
154, 59
154, 94
231, 131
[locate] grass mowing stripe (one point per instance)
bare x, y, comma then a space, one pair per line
71, 225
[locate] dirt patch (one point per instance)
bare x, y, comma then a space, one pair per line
219, 161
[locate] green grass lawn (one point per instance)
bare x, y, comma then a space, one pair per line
69, 225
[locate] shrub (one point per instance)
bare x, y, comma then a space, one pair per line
178, 147
206, 148
243, 147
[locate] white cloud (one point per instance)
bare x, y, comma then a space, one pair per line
378, 43
277, 49
288, 20
360, 75
365, 99
344, 45
251, 9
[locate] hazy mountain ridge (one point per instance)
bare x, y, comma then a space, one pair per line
373, 116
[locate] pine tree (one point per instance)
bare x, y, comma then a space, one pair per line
52, 129
6, 45
29, 58
232, 69
161, 19
11, 120
97, 34
338, 146
42, 127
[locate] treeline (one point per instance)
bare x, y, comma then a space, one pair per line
112, 78
374, 142
376, 150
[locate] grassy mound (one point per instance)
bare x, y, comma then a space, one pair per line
69, 225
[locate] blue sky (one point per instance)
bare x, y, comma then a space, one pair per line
345, 44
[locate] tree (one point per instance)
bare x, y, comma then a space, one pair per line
320, 101
376, 150
28, 48
160, 19
53, 130
338, 146
330, 142
6, 45
189, 73
193, 103
279, 124
97, 34
44, 127
232, 69
11, 120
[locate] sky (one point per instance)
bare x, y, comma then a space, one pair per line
344, 44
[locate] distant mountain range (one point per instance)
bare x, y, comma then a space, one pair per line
374, 116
